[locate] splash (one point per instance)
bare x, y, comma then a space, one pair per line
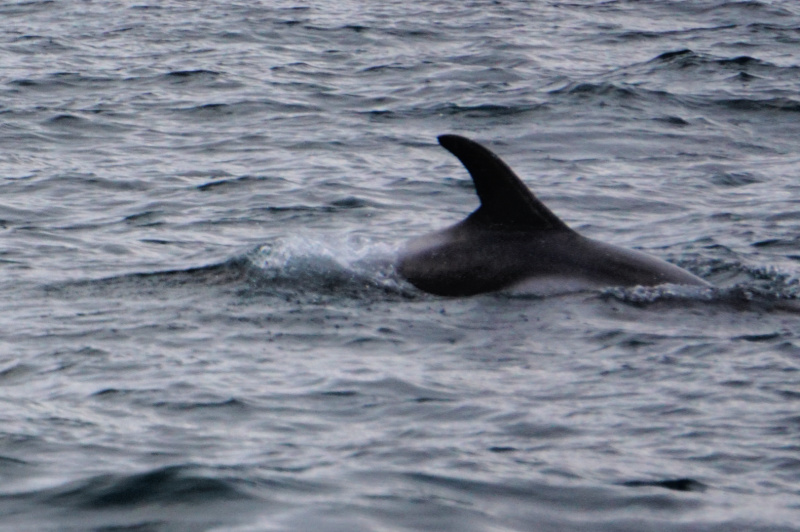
755, 285
351, 266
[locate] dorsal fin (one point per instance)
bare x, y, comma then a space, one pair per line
505, 200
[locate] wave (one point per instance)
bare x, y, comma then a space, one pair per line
686, 58
315, 270
623, 94
303, 266
692, 80
761, 287
160, 498
299, 269
245, 108
477, 111
167, 485
188, 76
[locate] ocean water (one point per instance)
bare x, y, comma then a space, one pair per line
200, 323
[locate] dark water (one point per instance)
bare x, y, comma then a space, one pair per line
201, 328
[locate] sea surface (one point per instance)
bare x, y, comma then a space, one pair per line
201, 326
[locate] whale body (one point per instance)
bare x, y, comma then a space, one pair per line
514, 242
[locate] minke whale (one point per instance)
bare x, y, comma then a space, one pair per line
514, 242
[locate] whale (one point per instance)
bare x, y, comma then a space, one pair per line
513, 242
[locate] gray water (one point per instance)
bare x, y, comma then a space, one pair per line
201, 327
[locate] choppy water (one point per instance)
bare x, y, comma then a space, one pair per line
201, 329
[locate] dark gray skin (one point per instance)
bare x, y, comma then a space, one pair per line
513, 241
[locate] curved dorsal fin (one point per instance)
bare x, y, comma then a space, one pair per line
505, 200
